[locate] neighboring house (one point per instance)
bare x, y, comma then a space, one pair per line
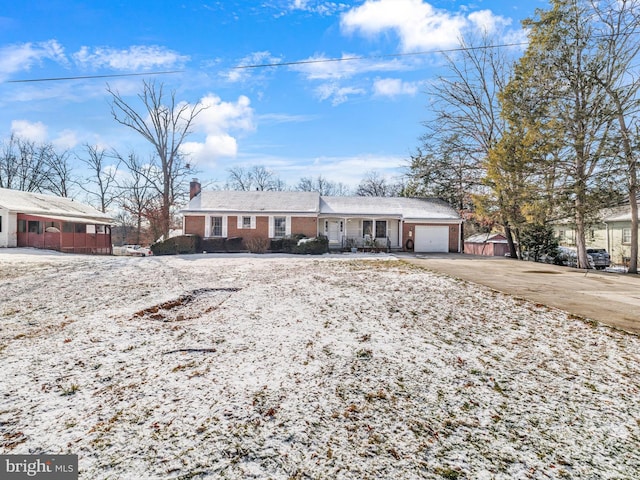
611, 230
422, 225
618, 235
487, 244
53, 223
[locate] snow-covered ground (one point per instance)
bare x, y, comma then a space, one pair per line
304, 367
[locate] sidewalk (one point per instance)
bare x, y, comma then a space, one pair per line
610, 298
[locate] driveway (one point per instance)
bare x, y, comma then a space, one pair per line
609, 298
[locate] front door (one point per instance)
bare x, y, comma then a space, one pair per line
333, 231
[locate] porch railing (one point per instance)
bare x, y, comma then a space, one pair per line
365, 243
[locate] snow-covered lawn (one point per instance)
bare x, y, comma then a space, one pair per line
304, 367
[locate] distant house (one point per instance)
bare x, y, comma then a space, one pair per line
412, 224
611, 230
487, 244
618, 235
54, 223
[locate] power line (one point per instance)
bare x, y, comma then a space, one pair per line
370, 57
281, 64
55, 79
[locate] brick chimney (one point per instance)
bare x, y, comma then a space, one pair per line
194, 188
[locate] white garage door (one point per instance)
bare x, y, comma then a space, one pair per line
431, 239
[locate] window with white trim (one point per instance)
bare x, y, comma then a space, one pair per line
279, 227
381, 228
246, 222
626, 235
216, 226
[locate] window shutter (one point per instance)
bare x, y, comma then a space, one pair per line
224, 226
239, 217
271, 227
287, 226
253, 222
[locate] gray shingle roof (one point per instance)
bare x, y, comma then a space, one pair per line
312, 202
401, 207
48, 205
256, 201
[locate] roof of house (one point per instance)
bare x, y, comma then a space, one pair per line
313, 203
486, 238
401, 207
50, 206
256, 201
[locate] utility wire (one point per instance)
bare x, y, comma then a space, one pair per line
281, 64
298, 62
370, 57
54, 79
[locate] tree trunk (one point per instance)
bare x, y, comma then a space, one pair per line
581, 244
512, 247
633, 202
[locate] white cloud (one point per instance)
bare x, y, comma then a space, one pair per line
418, 24
336, 93
317, 7
21, 57
137, 57
218, 121
66, 140
33, 131
392, 87
214, 147
486, 22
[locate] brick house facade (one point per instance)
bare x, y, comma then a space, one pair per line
395, 223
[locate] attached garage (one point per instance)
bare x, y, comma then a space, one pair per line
431, 239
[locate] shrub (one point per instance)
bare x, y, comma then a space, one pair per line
285, 245
314, 246
234, 244
177, 245
257, 244
213, 245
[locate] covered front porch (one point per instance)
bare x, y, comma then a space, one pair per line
362, 232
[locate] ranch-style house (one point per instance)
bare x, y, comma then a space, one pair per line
397, 223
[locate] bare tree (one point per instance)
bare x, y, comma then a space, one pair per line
61, 177
24, 165
619, 23
138, 197
467, 122
375, 185
441, 169
100, 185
165, 126
322, 185
257, 177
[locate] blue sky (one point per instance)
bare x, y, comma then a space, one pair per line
336, 119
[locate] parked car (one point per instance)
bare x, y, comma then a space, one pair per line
569, 257
137, 251
601, 258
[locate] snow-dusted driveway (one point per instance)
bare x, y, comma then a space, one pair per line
304, 367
